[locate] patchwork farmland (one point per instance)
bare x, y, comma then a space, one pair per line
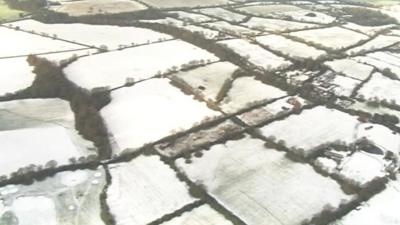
199, 112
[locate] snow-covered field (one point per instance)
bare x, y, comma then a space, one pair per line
24, 44
332, 37
113, 37
368, 30
203, 215
205, 32
243, 174
230, 29
223, 14
358, 169
94, 7
268, 9
195, 17
186, 3
309, 16
208, 81
247, 91
382, 61
380, 42
350, 68
144, 190
279, 107
276, 25
47, 129
151, 106
382, 88
16, 74
362, 106
66, 198
112, 69
326, 126
256, 55
292, 11
380, 209
292, 49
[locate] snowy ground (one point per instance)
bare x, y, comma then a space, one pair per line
246, 91
290, 48
382, 88
276, 25
26, 43
223, 14
256, 55
47, 128
16, 75
112, 69
186, 3
231, 29
144, 190
208, 81
380, 42
380, 209
368, 30
333, 37
326, 126
66, 198
95, 7
350, 68
357, 169
151, 106
199, 216
195, 17
382, 61
113, 37
243, 175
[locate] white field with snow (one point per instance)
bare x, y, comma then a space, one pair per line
243, 174
332, 37
205, 32
368, 30
381, 87
380, 209
203, 215
35, 210
382, 61
231, 29
113, 68
316, 127
380, 42
151, 106
47, 130
71, 197
256, 55
350, 68
208, 81
276, 24
20, 43
16, 74
144, 190
302, 16
246, 91
199, 18
95, 35
290, 48
223, 14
